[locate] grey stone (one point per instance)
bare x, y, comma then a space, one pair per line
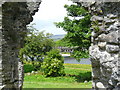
85, 81
104, 57
104, 50
94, 52
105, 65
13, 20
102, 44
96, 73
102, 37
108, 21
96, 18
111, 16
36, 72
32, 72
112, 28
112, 37
28, 74
112, 48
100, 85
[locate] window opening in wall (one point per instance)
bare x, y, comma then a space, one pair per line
46, 49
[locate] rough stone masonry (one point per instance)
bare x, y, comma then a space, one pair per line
14, 16
104, 50
105, 47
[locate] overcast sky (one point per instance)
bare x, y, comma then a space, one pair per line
50, 11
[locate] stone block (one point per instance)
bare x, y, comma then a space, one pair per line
112, 48
104, 50
112, 16
96, 72
96, 18
102, 45
94, 52
104, 57
112, 37
100, 85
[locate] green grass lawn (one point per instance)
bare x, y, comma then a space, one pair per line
76, 74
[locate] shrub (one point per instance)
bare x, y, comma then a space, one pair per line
29, 66
85, 76
53, 64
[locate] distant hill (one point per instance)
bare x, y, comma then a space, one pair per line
57, 37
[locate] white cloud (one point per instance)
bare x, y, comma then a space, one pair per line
50, 11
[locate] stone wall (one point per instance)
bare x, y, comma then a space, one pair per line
105, 49
14, 17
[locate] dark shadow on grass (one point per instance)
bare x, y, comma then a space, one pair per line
81, 77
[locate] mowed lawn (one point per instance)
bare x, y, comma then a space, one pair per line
77, 76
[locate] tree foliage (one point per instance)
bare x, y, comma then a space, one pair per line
77, 25
61, 43
36, 45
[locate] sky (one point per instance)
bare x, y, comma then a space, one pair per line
50, 11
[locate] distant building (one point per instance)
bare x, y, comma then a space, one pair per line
66, 49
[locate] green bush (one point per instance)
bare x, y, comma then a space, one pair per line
84, 76
30, 66
53, 64
37, 65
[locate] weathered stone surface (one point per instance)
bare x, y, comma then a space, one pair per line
100, 85
111, 37
112, 48
14, 16
95, 18
104, 57
104, 52
94, 52
102, 45
105, 48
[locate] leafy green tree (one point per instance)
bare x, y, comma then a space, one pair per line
53, 64
77, 25
61, 43
36, 45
